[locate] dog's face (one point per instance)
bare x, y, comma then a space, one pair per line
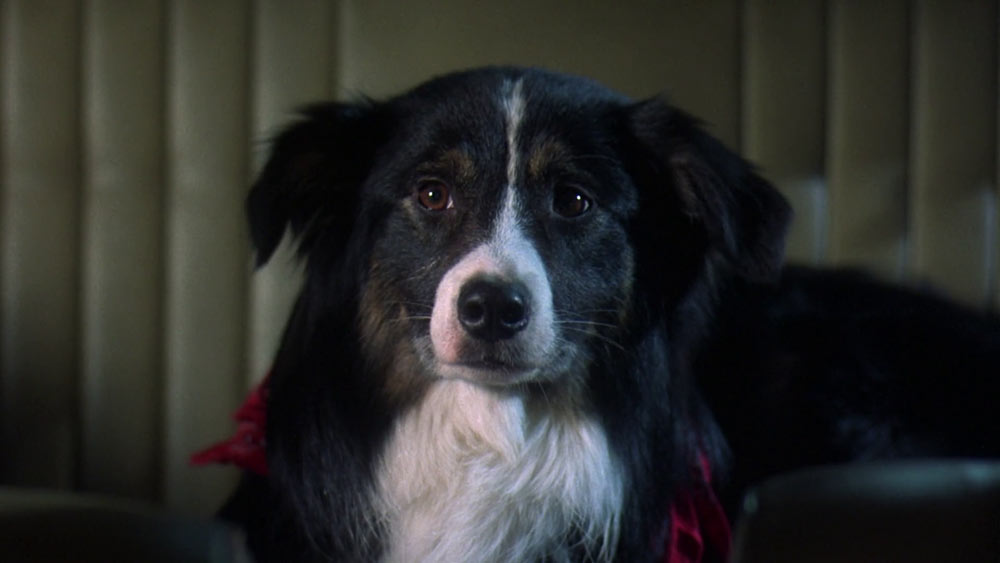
500, 226
505, 243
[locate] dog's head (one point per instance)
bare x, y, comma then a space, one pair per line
500, 225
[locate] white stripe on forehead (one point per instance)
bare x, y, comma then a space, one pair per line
513, 105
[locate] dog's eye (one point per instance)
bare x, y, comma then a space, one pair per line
571, 202
433, 196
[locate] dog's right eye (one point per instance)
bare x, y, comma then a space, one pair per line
433, 195
570, 202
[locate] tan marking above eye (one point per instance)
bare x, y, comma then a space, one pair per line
544, 154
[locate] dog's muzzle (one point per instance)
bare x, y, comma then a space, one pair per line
493, 319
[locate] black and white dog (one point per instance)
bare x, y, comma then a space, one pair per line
536, 312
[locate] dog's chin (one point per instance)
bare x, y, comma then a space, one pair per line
493, 367
488, 372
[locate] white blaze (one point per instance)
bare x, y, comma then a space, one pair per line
507, 254
513, 105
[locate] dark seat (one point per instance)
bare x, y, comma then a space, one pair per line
42, 526
913, 512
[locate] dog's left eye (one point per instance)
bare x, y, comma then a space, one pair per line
434, 196
570, 202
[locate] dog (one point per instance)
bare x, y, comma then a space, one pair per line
537, 315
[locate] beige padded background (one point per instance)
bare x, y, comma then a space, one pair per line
130, 324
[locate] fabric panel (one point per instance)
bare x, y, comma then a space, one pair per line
206, 283
954, 145
784, 104
868, 118
122, 247
39, 241
690, 50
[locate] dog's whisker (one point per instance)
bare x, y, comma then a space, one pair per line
598, 336
583, 322
423, 270
418, 311
405, 302
545, 396
408, 318
577, 313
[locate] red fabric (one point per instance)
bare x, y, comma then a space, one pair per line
247, 448
697, 521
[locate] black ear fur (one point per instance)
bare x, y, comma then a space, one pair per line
311, 179
744, 218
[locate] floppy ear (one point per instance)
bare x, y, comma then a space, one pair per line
743, 218
311, 179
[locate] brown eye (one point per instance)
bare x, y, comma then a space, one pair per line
434, 196
570, 202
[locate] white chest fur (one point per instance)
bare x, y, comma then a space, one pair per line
469, 475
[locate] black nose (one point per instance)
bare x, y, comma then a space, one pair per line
493, 310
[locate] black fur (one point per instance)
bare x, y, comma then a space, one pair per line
776, 357
830, 367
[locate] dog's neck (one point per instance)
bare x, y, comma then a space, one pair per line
471, 473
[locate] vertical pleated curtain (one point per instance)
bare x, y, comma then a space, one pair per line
131, 321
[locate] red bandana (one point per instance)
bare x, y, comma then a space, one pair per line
246, 449
697, 520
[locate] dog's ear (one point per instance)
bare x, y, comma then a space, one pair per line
743, 218
311, 179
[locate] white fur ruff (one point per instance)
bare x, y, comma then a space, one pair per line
471, 475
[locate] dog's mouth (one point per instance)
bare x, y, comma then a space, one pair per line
499, 364
489, 364
506, 365
488, 370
